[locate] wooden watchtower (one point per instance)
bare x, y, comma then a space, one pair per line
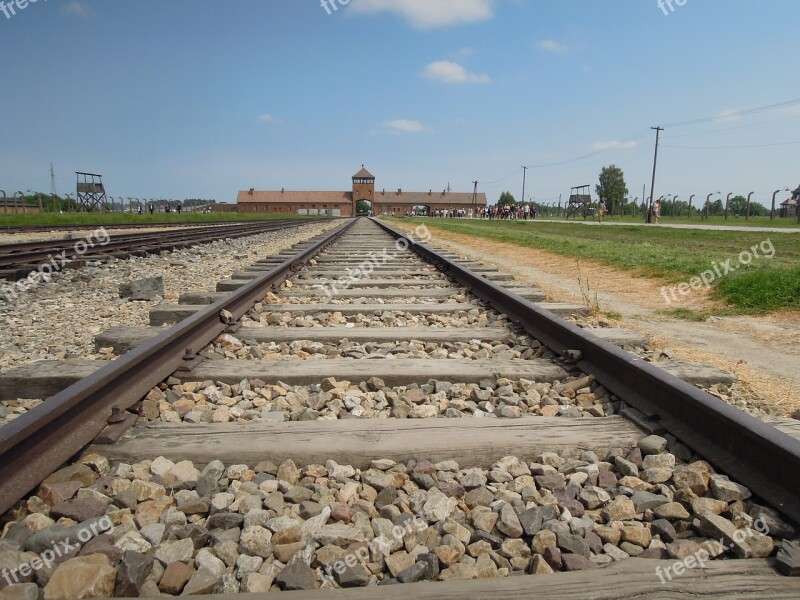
91, 192
580, 202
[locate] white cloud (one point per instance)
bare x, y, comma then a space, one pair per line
403, 126
614, 145
553, 46
267, 119
426, 14
450, 72
78, 9
463, 53
728, 116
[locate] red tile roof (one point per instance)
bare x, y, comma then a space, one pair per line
381, 197
284, 197
363, 174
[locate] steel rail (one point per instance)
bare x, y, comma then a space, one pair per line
40, 441
752, 452
69, 227
201, 228
27, 253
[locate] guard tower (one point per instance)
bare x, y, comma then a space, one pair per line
580, 202
363, 188
91, 192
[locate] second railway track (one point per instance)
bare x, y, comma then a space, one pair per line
365, 410
17, 260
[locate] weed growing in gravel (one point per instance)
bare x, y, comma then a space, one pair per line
588, 295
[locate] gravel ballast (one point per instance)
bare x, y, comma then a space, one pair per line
162, 527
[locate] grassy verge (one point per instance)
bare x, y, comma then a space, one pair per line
790, 223
671, 255
128, 219
758, 290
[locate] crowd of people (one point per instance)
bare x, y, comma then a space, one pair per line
506, 212
166, 208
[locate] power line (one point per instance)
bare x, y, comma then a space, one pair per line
730, 147
736, 128
738, 113
715, 118
711, 119
509, 176
591, 154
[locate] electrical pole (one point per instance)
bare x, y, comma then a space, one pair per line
658, 131
644, 195
475, 199
52, 181
524, 176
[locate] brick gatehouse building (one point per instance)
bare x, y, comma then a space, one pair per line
346, 204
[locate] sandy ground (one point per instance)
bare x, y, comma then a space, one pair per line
763, 351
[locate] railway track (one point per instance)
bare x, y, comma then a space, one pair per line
363, 409
18, 260
8, 229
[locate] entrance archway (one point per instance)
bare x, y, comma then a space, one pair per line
421, 211
363, 208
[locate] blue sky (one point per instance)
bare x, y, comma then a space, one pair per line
197, 98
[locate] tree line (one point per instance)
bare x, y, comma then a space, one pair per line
614, 191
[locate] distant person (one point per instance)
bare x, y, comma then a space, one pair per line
152, 209
178, 208
139, 210
601, 211
656, 211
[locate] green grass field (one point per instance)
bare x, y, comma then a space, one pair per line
671, 255
695, 220
78, 219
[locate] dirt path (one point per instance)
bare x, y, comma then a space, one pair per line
745, 228
764, 352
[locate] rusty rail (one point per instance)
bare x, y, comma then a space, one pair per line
40, 441
758, 455
33, 253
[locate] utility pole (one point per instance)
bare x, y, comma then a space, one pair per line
52, 181
644, 195
524, 176
658, 131
475, 199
